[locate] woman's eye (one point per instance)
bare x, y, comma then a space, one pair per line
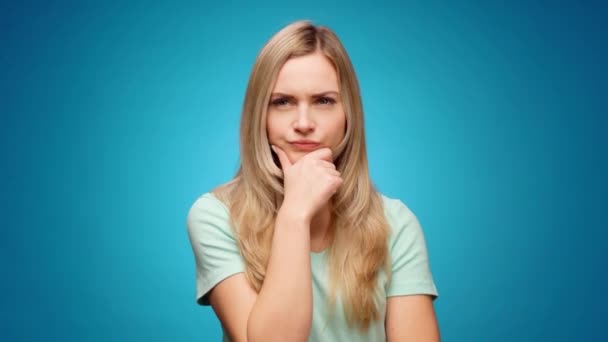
280, 102
283, 102
326, 101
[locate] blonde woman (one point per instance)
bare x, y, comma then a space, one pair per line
299, 246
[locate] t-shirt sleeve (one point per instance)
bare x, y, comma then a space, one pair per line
215, 249
411, 273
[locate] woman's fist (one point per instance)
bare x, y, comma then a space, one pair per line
310, 182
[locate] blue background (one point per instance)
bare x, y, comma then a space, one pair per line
488, 120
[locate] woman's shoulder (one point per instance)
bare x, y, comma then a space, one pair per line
401, 219
218, 198
208, 201
209, 219
395, 208
410, 270
207, 210
212, 206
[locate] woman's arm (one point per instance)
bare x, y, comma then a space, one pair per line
411, 318
282, 310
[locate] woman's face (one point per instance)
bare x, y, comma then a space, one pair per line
305, 111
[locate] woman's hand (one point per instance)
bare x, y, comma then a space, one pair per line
310, 182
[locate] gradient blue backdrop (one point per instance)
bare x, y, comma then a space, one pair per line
488, 120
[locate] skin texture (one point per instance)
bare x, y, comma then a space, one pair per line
305, 104
301, 115
411, 318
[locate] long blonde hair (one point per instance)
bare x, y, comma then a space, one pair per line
358, 248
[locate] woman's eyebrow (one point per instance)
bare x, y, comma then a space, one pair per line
325, 93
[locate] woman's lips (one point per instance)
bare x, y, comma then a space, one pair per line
305, 146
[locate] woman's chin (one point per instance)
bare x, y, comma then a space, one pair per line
294, 156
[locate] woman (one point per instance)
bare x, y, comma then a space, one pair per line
299, 246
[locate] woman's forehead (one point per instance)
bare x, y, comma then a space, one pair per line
311, 74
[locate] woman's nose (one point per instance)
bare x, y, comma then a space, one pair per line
303, 122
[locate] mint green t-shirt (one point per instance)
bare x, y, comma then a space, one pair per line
217, 257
